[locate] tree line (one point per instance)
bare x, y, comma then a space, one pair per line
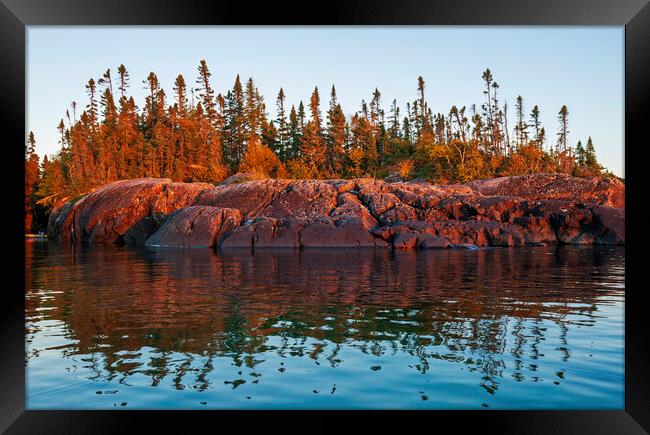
196, 134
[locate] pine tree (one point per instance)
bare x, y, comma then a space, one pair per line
180, 91
124, 80
301, 115
311, 148
375, 108
235, 126
295, 133
422, 103
394, 128
521, 127
580, 154
563, 118
205, 91
91, 88
252, 114
590, 156
496, 121
283, 139
314, 108
541, 138
269, 135
534, 116
106, 80
364, 140
151, 83
336, 136
487, 108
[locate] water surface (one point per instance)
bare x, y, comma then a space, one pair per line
510, 328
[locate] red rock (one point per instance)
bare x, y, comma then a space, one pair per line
60, 218
596, 190
249, 197
264, 233
610, 225
302, 199
124, 212
509, 211
346, 232
343, 232
418, 196
428, 241
573, 226
195, 227
348, 205
385, 206
536, 229
175, 196
405, 240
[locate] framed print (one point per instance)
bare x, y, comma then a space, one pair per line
377, 211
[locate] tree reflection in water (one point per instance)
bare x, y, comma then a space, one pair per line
170, 314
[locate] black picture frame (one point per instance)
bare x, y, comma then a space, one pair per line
15, 15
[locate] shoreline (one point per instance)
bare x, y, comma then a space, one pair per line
523, 210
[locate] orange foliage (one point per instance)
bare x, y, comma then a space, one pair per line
260, 160
404, 168
301, 170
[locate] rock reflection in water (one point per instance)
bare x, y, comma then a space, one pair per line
485, 327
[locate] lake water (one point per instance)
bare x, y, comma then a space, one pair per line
123, 328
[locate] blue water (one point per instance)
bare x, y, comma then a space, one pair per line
520, 328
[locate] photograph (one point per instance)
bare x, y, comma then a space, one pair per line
330, 217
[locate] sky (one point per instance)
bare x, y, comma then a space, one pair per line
582, 67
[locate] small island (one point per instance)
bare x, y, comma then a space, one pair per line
216, 171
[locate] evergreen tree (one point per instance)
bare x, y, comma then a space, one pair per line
301, 115
422, 103
580, 154
314, 107
364, 142
91, 109
235, 129
180, 90
295, 133
283, 128
124, 80
311, 148
563, 118
590, 156
487, 108
394, 128
336, 135
534, 116
521, 127
205, 91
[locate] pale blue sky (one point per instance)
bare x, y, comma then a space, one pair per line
581, 67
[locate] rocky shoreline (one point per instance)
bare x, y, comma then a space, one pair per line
524, 210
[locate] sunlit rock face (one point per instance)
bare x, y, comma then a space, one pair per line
195, 227
126, 211
594, 190
507, 211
